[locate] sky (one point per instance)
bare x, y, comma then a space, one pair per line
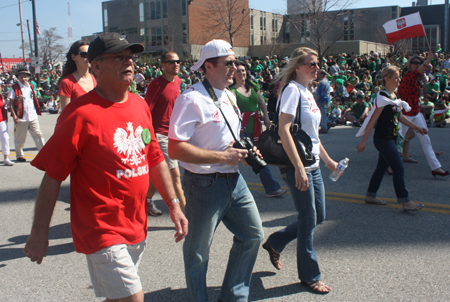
86, 18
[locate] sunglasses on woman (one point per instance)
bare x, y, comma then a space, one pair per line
83, 54
416, 63
312, 64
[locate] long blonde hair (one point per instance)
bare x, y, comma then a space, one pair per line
298, 56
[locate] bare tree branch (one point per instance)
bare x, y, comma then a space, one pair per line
225, 18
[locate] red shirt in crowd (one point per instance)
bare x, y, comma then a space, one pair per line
70, 88
101, 145
160, 97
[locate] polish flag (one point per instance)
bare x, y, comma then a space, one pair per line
406, 27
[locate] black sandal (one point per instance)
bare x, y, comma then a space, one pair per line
274, 255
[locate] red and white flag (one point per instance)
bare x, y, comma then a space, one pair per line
37, 29
406, 27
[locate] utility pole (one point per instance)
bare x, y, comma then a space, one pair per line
36, 53
29, 38
21, 30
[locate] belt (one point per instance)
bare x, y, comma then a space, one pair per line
215, 175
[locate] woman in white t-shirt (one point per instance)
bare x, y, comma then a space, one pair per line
305, 184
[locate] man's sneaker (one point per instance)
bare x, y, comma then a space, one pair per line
323, 131
356, 124
153, 210
276, 193
7, 162
331, 124
21, 159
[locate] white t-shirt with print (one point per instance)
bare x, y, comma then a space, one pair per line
196, 119
310, 114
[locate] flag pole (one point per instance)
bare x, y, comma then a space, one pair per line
426, 37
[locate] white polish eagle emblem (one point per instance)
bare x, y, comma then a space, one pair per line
131, 145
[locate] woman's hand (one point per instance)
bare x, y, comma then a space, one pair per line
361, 146
422, 130
301, 179
332, 165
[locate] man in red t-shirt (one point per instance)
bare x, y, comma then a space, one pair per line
105, 142
160, 97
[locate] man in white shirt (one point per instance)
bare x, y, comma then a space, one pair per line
24, 110
215, 190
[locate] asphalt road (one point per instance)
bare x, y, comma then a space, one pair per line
366, 252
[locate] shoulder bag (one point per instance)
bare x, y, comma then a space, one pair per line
272, 150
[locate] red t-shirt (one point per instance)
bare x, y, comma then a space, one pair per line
3, 112
160, 97
409, 91
99, 143
70, 88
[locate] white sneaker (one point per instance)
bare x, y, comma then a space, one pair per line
7, 162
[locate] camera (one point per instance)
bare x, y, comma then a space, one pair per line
252, 159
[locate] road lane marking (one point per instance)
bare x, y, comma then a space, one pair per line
359, 199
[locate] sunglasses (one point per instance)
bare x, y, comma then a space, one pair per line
416, 63
230, 63
83, 54
171, 62
312, 64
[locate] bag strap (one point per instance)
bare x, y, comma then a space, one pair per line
298, 115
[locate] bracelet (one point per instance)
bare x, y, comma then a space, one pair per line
176, 200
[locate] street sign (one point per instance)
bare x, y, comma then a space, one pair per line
36, 61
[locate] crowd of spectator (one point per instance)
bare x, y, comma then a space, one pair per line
354, 81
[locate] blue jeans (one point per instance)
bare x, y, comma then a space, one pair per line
323, 110
388, 157
209, 201
310, 205
268, 181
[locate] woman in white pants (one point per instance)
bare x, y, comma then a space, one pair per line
4, 136
409, 91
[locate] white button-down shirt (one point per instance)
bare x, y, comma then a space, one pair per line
29, 112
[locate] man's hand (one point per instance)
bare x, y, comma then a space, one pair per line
36, 247
180, 221
232, 156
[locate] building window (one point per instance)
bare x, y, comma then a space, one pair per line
156, 36
166, 35
420, 43
105, 17
155, 10
262, 21
263, 40
251, 19
183, 7
141, 12
275, 25
349, 26
251, 40
142, 34
184, 33
164, 8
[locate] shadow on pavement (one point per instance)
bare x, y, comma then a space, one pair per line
30, 194
61, 231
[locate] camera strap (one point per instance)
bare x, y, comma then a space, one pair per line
212, 94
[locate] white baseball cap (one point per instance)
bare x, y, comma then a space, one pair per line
213, 49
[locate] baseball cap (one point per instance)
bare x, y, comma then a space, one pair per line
213, 49
111, 43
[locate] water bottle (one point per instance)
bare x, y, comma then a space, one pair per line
343, 164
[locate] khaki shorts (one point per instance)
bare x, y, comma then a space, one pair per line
163, 142
113, 270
